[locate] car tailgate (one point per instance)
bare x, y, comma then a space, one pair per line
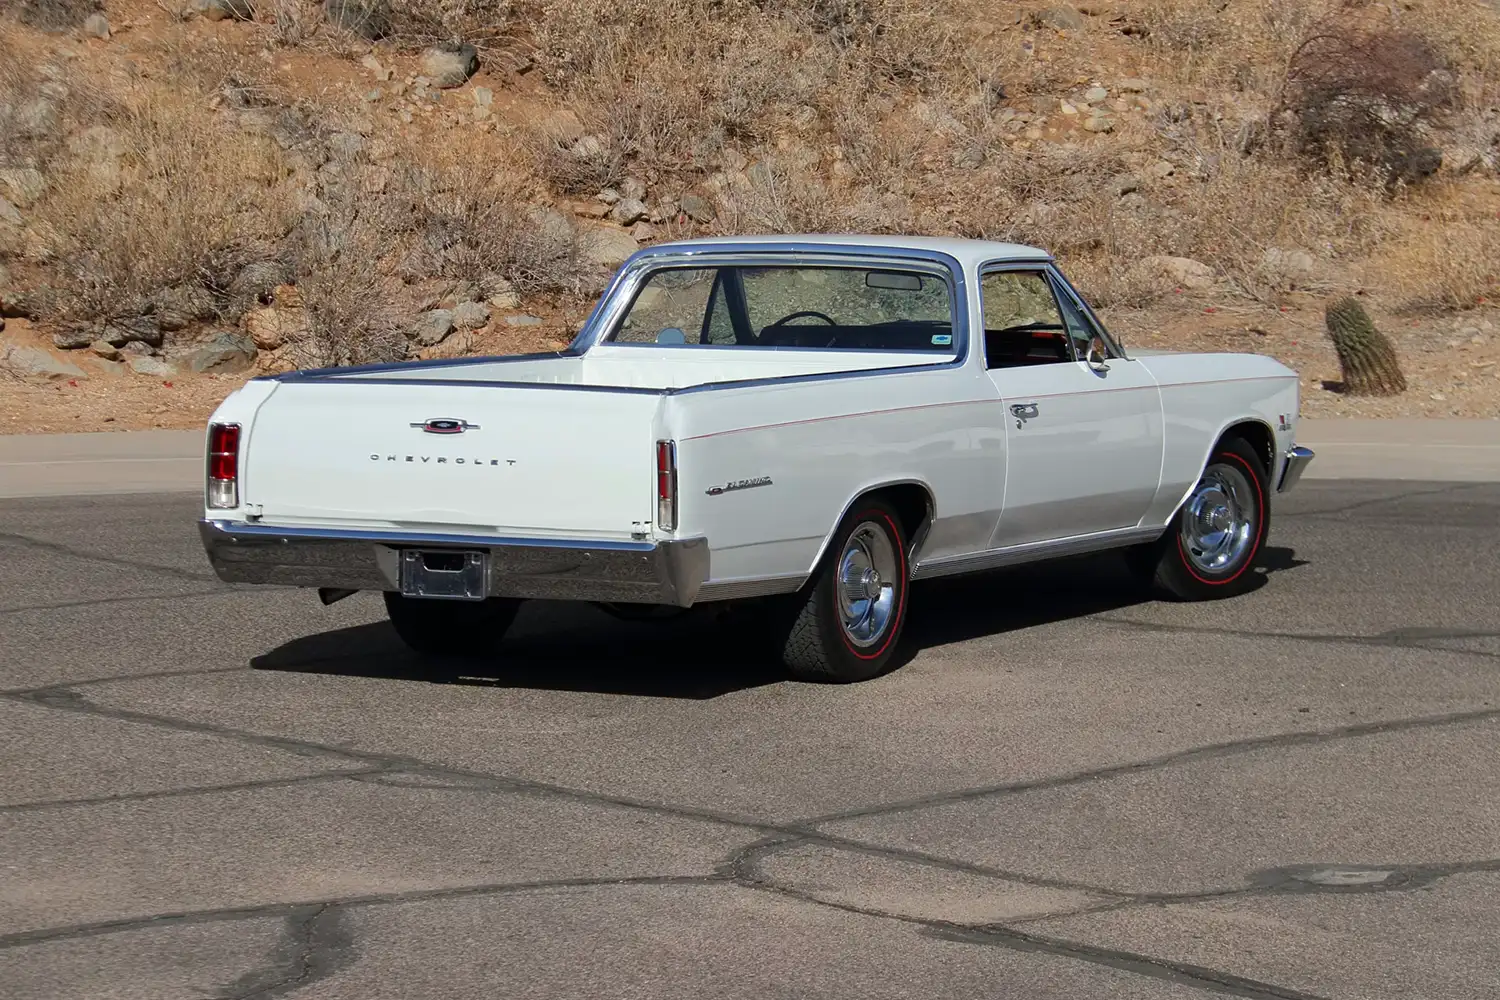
546, 460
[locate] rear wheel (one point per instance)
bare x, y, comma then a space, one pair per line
1212, 544
847, 625
451, 628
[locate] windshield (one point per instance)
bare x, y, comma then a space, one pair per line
824, 306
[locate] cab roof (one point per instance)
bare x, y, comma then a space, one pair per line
965, 251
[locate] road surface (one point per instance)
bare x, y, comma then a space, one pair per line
1067, 792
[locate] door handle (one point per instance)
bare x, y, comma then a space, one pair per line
1023, 411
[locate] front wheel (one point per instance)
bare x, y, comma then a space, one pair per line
847, 625
451, 628
1212, 544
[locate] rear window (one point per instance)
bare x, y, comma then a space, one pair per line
825, 307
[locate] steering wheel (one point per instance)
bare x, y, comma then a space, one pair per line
783, 321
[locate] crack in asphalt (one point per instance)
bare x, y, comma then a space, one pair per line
21, 939
172, 793
1375, 501
58, 548
1212, 751
740, 867
1180, 973
155, 675
132, 599
1413, 637
744, 870
313, 946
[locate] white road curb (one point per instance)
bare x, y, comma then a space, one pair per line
42, 465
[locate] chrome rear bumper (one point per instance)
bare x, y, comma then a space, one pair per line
1296, 463
666, 572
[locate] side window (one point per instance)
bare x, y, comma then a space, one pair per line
1022, 322
822, 307
669, 308
1083, 329
1080, 330
718, 326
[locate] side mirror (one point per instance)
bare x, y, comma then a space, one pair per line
1098, 359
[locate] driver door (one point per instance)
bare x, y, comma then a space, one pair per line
1083, 441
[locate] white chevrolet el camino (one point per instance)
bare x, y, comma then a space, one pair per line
809, 422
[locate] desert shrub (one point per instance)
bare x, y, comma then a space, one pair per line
576, 166
1449, 262
350, 315
1368, 96
185, 186
50, 15
454, 221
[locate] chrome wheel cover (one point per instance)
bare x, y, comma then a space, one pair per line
866, 585
1218, 520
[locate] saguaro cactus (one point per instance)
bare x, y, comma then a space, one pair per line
1366, 356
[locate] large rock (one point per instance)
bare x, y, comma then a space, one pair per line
35, 361
369, 19
450, 65
501, 293
35, 119
271, 327
15, 303
698, 208
9, 215
257, 281
145, 364
608, 247
227, 353
179, 307
73, 340
96, 25
633, 188
133, 330
1183, 271
431, 327
1287, 268
562, 127
470, 315
628, 211
1060, 18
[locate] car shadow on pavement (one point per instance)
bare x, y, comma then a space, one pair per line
553, 647
704, 654
964, 608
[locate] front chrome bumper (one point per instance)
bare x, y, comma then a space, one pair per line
665, 572
1296, 463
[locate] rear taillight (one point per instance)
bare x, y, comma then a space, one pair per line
223, 465
666, 485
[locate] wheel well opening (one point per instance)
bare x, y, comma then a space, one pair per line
912, 503
1258, 436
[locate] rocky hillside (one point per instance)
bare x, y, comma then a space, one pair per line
193, 191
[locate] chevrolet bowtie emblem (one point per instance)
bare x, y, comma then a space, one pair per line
446, 425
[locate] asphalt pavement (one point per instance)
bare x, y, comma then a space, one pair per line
1067, 791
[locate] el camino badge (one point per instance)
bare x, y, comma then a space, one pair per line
739, 484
